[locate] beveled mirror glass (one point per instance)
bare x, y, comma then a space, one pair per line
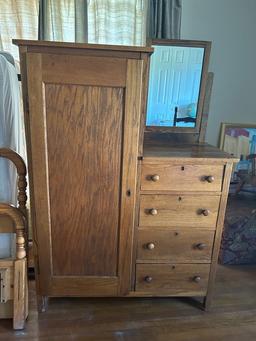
177, 80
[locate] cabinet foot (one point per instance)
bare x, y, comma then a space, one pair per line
207, 304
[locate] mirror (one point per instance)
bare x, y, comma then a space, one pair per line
177, 78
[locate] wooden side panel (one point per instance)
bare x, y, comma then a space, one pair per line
179, 210
84, 139
182, 177
218, 235
37, 152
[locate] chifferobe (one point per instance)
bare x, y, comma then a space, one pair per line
111, 218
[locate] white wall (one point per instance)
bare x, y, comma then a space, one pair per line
231, 26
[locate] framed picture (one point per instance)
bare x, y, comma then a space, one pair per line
239, 140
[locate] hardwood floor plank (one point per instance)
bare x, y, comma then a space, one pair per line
233, 315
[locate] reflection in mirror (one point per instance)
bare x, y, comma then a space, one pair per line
174, 86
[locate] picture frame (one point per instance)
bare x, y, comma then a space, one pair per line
238, 139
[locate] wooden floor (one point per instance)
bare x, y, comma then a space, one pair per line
232, 318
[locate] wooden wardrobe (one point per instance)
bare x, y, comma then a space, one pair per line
101, 203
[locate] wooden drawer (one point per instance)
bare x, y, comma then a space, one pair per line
182, 177
172, 279
175, 246
179, 210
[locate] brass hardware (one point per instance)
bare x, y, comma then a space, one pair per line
209, 178
205, 212
150, 246
148, 279
201, 246
155, 177
153, 211
197, 279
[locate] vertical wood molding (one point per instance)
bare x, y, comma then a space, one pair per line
129, 174
38, 149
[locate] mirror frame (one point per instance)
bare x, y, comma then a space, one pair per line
206, 45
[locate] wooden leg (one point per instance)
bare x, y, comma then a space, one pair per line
42, 303
26, 293
207, 303
19, 294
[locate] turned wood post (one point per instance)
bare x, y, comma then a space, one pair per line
21, 172
19, 222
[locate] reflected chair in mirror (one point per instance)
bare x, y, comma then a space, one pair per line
13, 270
179, 117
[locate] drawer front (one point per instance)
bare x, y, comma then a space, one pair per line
172, 279
179, 210
175, 246
181, 177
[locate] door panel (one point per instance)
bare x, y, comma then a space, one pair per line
84, 142
84, 163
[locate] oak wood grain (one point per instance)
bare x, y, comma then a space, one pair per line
178, 210
218, 235
176, 279
179, 246
84, 165
133, 103
83, 70
182, 177
160, 150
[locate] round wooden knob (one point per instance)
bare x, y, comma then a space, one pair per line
155, 177
205, 212
150, 246
148, 279
197, 279
201, 246
210, 178
153, 211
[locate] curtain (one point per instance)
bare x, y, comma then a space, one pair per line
19, 20
63, 20
164, 19
120, 22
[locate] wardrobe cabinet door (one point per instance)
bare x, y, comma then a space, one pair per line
84, 125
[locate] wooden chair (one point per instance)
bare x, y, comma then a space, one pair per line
13, 271
186, 119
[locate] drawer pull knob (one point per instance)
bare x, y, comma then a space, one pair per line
209, 178
150, 246
155, 177
197, 279
201, 246
205, 212
153, 211
148, 279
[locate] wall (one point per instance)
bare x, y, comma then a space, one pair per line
231, 26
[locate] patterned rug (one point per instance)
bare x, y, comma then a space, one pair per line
238, 244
